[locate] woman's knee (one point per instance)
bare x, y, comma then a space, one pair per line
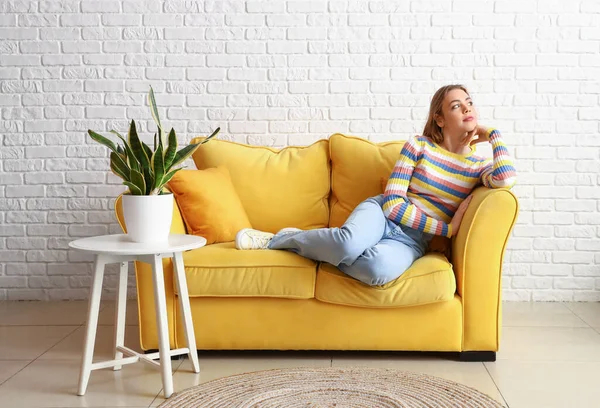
349, 245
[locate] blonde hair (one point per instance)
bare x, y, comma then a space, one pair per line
431, 129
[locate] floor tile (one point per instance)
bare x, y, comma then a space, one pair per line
223, 364
545, 384
59, 313
72, 346
473, 375
29, 342
549, 344
8, 368
107, 314
541, 314
588, 312
46, 383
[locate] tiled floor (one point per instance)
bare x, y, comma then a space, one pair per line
549, 357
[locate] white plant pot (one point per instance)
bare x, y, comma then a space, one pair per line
148, 218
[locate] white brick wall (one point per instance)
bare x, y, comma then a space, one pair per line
291, 72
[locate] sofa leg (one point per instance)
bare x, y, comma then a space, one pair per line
477, 356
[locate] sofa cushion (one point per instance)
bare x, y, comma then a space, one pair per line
220, 270
209, 204
357, 167
430, 279
278, 188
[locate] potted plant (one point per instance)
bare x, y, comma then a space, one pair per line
147, 207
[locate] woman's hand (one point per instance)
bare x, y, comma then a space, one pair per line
482, 135
458, 215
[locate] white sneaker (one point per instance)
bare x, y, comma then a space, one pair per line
249, 238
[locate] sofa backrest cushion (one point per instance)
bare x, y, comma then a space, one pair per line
278, 188
357, 167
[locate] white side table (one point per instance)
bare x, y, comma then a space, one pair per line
119, 249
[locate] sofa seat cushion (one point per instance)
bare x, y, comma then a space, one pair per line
430, 279
221, 270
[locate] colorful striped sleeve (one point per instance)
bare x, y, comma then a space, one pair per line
396, 205
500, 173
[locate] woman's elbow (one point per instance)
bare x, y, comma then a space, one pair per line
507, 183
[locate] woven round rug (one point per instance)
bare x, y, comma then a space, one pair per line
331, 387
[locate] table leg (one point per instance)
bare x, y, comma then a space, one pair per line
160, 304
92, 323
120, 311
184, 302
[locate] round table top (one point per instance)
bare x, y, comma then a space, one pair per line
120, 244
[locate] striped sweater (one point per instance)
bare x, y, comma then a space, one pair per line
428, 183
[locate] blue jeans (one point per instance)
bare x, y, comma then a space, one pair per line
368, 247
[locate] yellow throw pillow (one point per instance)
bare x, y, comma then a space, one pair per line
279, 188
209, 204
357, 169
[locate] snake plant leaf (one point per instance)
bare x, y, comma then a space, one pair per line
170, 175
131, 159
211, 136
119, 167
184, 153
133, 189
138, 179
147, 171
158, 167
102, 140
136, 146
153, 108
120, 149
154, 111
121, 152
147, 150
171, 150
114, 132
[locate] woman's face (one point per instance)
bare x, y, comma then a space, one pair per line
458, 113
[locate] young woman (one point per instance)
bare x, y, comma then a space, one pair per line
427, 194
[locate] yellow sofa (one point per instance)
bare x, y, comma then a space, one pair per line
277, 300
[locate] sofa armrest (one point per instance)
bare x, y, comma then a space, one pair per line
477, 252
177, 225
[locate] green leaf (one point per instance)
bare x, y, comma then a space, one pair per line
211, 136
153, 108
170, 175
155, 145
184, 153
114, 132
134, 190
121, 152
148, 174
136, 147
147, 150
154, 111
138, 179
119, 167
102, 140
171, 150
158, 167
131, 159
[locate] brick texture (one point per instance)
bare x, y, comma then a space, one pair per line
291, 72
